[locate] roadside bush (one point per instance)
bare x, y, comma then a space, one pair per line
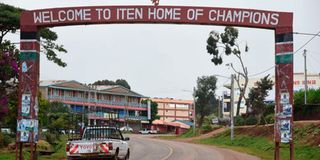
206, 128
50, 138
239, 121
44, 146
270, 118
5, 139
251, 120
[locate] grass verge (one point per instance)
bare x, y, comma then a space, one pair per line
261, 147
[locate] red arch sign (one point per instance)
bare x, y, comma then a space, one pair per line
280, 22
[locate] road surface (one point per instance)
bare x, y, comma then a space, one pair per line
143, 147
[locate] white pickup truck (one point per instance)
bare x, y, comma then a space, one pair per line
99, 143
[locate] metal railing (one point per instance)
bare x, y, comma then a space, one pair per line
121, 116
91, 100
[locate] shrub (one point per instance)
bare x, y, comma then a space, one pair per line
44, 146
270, 118
5, 139
206, 128
251, 120
239, 121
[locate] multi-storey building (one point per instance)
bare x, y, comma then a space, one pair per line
99, 102
170, 109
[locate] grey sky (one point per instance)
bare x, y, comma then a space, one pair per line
163, 60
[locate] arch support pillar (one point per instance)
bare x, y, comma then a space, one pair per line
284, 89
27, 121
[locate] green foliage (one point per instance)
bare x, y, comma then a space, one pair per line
53, 115
242, 120
257, 96
50, 47
260, 146
226, 40
227, 44
11, 117
205, 96
44, 146
154, 110
190, 133
312, 107
270, 118
121, 82
10, 22
239, 121
313, 97
57, 116
5, 139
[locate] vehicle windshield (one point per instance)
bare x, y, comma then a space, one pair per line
101, 133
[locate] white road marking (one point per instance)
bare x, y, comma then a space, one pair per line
170, 153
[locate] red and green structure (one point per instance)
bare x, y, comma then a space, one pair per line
281, 22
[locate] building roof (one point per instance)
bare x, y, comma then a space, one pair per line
74, 85
175, 124
44, 83
171, 100
184, 122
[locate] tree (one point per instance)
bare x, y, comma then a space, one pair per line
121, 82
10, 23
53, 115
205, 96
8, 76
257, 96
154, 110
228, 41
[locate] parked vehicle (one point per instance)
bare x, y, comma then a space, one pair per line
99, 142
126, 129
148, 131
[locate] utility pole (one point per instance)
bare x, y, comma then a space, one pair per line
194, 111
232, 107
305, 76
219, 108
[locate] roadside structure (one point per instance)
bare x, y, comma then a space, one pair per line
97, 102
313, 81
170, 109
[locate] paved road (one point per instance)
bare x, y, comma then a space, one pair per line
144, 147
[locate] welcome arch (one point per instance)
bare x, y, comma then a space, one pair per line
281, 22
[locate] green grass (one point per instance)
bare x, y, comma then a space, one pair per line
59, 154
261, 147
190, 133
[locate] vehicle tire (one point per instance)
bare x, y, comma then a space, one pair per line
127, 155
116, 155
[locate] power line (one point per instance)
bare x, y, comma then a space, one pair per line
314, 35
252, 75
307, 34
307, 42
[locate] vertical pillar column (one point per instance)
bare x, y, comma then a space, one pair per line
27, 121
284, 89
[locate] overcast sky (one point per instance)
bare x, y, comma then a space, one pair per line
164, 60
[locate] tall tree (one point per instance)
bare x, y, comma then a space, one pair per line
205, 96
10, 23
257, 96
228, 42
121, 82
154, 110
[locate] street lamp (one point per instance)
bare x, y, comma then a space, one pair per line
231, 102
194, 108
